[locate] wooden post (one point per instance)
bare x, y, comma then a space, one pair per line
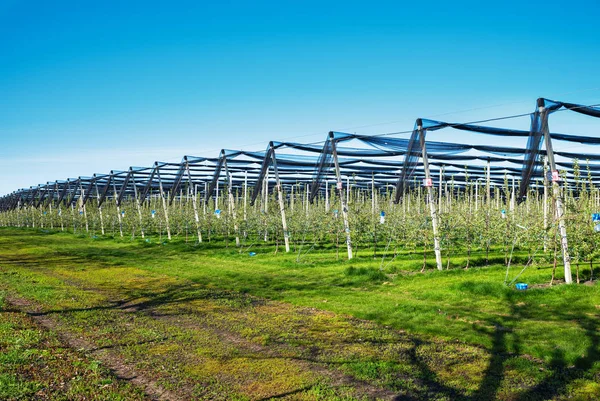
556, 192
432, 208
286, 236
164, 201
341, 195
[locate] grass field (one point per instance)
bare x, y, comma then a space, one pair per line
206, 321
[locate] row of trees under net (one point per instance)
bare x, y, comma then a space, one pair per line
379, 195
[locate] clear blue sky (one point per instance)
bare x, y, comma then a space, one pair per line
91, 86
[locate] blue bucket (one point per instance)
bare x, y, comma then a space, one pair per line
521, 286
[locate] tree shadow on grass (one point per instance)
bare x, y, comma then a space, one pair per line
504, 337
502, 330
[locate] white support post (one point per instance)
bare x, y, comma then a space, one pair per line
50, 214
82, 205
488, 184
116, 196
348, 190
432, 208
512, 197
99, 208
138, 204
556, 193
164, 201
266, 193
326, 196
194, 200
217, 194
286, 236
440, 188
476, 194
306, 192
236, 227
373, 194
341, 195
245, 194
205, 198
545, 204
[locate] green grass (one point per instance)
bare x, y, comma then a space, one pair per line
34, 364
455, 334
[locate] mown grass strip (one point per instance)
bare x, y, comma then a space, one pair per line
195, 285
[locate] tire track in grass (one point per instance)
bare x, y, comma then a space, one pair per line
250, 350
188, 317
121, 370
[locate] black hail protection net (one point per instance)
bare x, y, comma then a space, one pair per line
411, 159
323, 164
258, 184
530, 160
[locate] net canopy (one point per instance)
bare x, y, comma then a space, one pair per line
393, 161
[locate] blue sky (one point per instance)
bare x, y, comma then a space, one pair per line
89, 87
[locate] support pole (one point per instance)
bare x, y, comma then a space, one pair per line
476, 194
432, 208
217, 195
99, 208
488, 184
82, 205
266, 193
373, 193
556, 192
116, 195
340, 188
348, 190
194, 200
326, 196
164, 201
138, 204
206, 196
440, 191
545, 204
245, 194
306, 192
286, 236
512, 197
231, 200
